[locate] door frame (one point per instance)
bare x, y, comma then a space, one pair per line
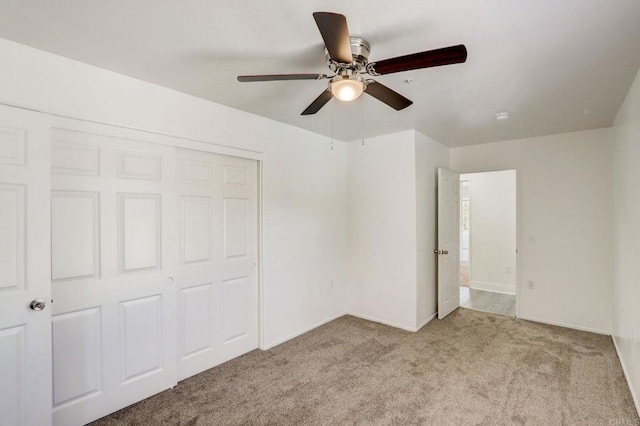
518, 273
470, 233
123, 132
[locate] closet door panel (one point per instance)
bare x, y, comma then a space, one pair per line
113, 219
218, 309
25, 269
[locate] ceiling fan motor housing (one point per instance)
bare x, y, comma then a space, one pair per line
360, 50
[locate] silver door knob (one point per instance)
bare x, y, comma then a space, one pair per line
37, 304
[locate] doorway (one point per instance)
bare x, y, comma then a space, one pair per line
488, 241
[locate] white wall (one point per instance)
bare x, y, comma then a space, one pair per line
382, 229
429, 155
493, 230
392, 228
565, 199
304, 181
626, 289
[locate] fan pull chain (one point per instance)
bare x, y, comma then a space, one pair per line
362, 121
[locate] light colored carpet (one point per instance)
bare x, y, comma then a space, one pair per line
472, 368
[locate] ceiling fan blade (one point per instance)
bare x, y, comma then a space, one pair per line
430, 58
390, 97
334, 31
318, 103
280, 77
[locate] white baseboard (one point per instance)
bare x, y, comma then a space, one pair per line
494, 287
298, 333
634, 395
385, 322
560, 324
334, 317
427, 321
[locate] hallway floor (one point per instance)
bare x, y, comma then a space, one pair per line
488, 301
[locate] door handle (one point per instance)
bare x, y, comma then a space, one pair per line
436, 251
37, 304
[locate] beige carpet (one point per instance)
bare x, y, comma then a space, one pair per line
473, 368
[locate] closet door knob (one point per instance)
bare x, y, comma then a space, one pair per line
37, 304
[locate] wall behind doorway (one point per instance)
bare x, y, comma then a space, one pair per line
493, 230
565, 201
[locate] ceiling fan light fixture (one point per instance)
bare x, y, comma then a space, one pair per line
347, 88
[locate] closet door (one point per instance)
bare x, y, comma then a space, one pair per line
113, 232
217, 275
25, 292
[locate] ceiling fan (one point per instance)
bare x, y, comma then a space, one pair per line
348, 58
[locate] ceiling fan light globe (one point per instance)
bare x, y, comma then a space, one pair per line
347, 89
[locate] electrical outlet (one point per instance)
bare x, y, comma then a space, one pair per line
332, 285
532, 239
508, 269
531, 285
621, 308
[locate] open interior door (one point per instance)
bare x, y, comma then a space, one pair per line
25, 272
448, 250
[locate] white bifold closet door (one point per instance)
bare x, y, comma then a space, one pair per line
114, 313
153, 268
217, 276
25, 332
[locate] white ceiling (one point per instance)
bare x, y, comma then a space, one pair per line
542, 61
